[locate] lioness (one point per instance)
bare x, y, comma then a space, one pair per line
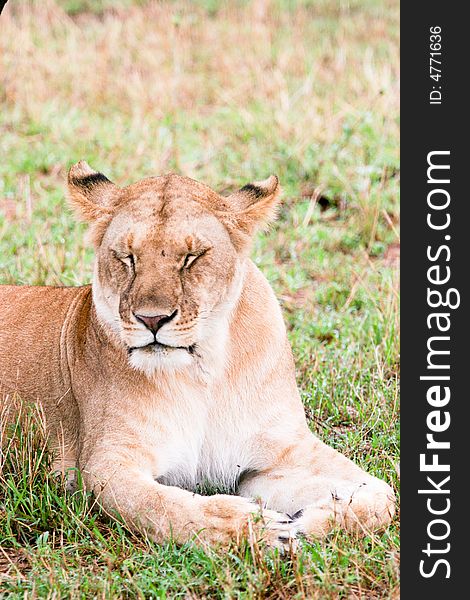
173, 369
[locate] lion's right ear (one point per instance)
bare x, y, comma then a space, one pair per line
90, 192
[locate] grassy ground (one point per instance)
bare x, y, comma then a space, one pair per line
225, 93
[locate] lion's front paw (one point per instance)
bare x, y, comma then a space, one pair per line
277, 530
232, 518
361, 507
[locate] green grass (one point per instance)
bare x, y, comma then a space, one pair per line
140, 88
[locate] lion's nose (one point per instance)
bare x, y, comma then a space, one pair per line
154, 322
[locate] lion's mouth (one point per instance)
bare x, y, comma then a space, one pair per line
159, 347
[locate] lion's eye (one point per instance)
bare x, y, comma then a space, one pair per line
127, 259
189, 259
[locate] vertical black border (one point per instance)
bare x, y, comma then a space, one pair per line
427, 128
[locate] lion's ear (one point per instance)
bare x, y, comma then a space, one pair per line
255, 205
90, 192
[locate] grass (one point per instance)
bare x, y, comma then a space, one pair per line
225, 92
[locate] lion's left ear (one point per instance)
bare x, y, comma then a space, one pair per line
90, 193
255, 204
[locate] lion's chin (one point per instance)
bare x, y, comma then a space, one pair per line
156, 357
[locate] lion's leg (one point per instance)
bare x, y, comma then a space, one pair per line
64, 465
321, 488
166, 512
65, 460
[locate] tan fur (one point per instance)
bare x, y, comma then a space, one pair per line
215, 402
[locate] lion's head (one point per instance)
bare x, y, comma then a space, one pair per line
169, 259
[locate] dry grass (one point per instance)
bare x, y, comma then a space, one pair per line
290, 75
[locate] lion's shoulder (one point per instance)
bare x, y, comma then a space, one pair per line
29, 305
31, 325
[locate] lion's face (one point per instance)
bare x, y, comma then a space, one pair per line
169, 260
164, 268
